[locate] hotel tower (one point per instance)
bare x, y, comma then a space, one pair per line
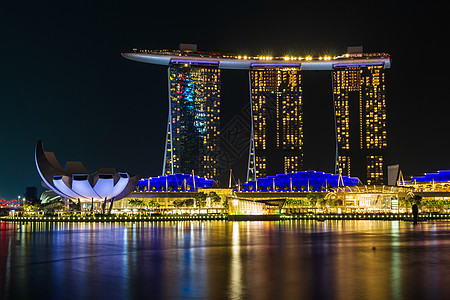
359, 94
277, 133
193, 125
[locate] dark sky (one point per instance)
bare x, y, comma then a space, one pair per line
65, 82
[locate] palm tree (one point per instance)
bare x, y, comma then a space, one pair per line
324, 203
137, 202
214, 197
312, 199
200, 199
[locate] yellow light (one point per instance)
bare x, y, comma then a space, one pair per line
239, 57
287, 58
245, 57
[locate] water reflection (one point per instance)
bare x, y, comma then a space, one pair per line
396, 280
220, 259
235, 286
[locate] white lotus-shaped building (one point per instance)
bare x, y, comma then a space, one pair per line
75, 183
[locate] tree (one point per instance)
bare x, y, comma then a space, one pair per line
410, 200
225, 203
31, 207
313, 199
334, 201
214, 197
189, 202
178, 203
323, 202
200, 199
417, 200
151, 203
137, 202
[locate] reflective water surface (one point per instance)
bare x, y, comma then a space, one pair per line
225, 260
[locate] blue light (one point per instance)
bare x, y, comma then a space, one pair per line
175, 182
429, 177
300, 181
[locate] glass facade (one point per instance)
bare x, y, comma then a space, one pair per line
360, 109
193, 131
276, 95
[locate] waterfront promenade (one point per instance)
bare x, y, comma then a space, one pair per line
204, 217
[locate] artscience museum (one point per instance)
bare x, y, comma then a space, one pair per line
75, 184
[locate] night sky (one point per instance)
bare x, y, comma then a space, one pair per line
64, 81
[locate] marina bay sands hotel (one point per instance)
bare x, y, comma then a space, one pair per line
276, 134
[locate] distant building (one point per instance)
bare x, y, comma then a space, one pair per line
359, 93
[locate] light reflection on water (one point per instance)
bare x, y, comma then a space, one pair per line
221, 259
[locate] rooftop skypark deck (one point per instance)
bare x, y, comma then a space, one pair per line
244, 62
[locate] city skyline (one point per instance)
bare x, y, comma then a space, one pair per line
66, 83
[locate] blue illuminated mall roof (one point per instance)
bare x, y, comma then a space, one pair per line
174, 182
429, 177
316, 181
